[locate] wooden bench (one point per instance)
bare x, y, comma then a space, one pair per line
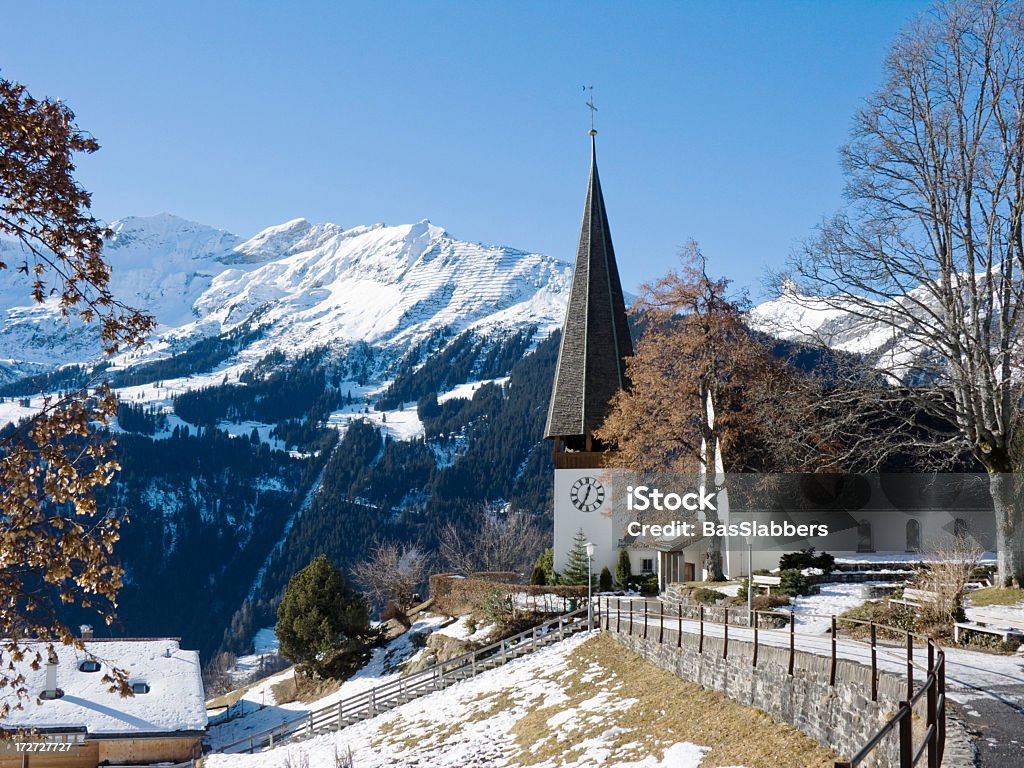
916, 598
970, 586
766, 582
989, 624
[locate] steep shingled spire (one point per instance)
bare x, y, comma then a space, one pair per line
595, 335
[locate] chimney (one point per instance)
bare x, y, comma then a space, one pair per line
85, 630
51, 691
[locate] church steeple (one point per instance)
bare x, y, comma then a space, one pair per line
595, 335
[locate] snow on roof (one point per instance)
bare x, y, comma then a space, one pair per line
174, 702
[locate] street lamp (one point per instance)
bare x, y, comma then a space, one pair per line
590, 585
750, 581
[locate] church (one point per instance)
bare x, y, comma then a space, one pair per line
591, 369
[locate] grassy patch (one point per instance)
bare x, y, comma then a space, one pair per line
666, 711
996, 596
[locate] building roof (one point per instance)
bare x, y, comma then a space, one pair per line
595, 335
174, 703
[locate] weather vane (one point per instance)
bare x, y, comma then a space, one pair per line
593, 109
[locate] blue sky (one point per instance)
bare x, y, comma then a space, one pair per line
718, 121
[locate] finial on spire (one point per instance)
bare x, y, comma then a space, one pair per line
593, 109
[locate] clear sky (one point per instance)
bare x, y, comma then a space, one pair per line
718, 121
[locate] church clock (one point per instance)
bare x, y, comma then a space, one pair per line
587, 494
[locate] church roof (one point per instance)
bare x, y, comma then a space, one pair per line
595, 335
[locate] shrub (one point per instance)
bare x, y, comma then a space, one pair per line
706, 596
546, 562
604, 581
882, 612
741, 593
645, 585
769, 602
497, 607
806, 558
794, 583
392, 611
538, 578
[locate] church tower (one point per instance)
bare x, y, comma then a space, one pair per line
591, 369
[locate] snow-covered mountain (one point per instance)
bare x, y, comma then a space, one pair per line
878, 338
311, 284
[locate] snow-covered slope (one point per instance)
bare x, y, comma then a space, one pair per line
878, 337
314, 284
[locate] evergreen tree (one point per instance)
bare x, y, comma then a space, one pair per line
538, 578
577, 567
623, 568
546, 562
322, 623
604, 582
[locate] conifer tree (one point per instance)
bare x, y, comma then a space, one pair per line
623, 568
322, 623
577, 567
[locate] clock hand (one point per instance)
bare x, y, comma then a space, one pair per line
587, 495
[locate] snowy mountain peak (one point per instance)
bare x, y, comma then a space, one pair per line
314, 284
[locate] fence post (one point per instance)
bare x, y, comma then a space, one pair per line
340, 721
832, 669
311, 722
910, 666
251, 746
607, 614
753, 618
941, 680
679, 634
700, 614
932, 721
661, 622
725, 645
874, 662
631, 617
645, 619
906, 737
792, 641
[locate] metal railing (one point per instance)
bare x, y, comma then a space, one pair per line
393, 693
643, 622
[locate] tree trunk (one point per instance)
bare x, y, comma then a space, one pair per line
713, 559
1007, 491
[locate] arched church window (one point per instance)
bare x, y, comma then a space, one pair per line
864, 537
913, 536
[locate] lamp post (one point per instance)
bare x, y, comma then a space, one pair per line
750, 581
590, 586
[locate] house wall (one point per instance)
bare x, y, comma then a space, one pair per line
110, 751
128, 751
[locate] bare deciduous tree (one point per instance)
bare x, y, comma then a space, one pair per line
392, 573
494, 541
930, 250
946, 573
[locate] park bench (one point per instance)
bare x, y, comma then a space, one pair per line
916, 598
766, 582
990, 624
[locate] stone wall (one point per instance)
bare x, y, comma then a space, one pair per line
841, 717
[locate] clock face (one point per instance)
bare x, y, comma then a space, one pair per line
587, 494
